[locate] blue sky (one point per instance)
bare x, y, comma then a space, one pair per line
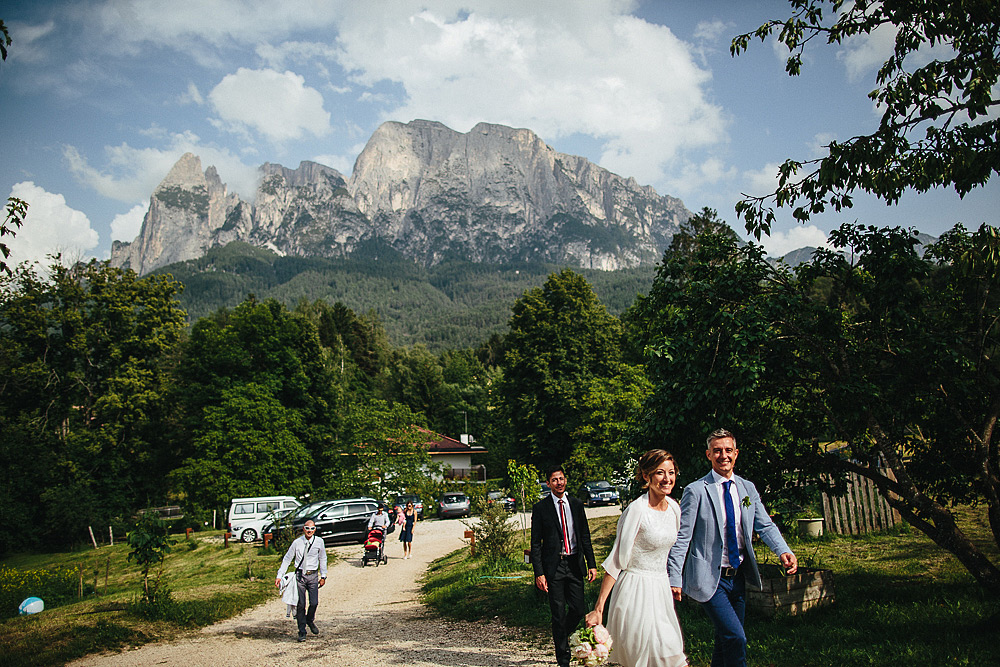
100, 98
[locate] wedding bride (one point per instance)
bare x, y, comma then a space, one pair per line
642, 621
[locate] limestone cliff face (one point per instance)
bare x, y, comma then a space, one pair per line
492, 194
184, 211
498, 193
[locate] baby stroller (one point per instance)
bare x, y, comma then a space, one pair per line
375, 547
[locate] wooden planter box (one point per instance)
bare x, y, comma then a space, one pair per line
792, 594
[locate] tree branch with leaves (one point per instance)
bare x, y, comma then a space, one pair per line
937, 128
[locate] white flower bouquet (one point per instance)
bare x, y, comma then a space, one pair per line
590, 646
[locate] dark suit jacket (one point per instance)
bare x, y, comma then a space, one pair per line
546, 536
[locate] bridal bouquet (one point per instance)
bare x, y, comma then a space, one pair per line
590, 646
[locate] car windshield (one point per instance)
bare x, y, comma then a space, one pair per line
456, 498
599, 485
495, 494
304, 509
315, 511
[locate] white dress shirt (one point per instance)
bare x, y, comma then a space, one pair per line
306, 554
569, 521
734, 494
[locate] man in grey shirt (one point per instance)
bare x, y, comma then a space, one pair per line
308, 552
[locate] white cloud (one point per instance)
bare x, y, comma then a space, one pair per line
818, 146
282, 55
191, 96
713, 31
49, 228
278, 105
761, 181
799, 236
131, 174
694, 177
863, 53
587, 68
27, 43
126, 226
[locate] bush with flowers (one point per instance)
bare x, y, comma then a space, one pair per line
590, 646
55, 586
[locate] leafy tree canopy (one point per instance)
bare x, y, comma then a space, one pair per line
561, 339
884, 365
938, 126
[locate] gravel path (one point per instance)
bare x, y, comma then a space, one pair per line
366, 616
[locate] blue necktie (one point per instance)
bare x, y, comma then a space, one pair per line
731, 544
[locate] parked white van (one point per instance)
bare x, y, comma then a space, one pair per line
248, 515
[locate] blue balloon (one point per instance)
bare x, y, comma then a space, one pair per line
31, 606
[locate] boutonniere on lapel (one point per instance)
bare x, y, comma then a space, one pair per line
746, 501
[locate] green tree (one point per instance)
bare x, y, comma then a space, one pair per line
937, 127
707, 332
888, 360
606, 438
264, 344
561, 340
17, 209
149, 545
84, 356
379, 450
248, 447
706, 220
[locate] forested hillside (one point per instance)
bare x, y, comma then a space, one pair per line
453, 305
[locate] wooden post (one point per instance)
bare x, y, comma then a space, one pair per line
225, 539
91, 529
267, 539
79, 589
107, 571
213, 519
187, 533
471, 536
111, 536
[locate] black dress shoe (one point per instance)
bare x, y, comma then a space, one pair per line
313, 628
302, 637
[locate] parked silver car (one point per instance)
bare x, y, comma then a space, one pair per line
453, 504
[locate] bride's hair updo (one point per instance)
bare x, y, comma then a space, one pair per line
650, 461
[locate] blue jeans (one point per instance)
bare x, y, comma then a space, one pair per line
727, 609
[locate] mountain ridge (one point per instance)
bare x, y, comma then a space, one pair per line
493, 194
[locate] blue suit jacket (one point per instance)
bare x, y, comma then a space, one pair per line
695, 561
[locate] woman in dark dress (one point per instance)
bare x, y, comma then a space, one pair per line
406, 535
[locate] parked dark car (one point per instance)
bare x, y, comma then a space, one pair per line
342, 520
508, 502
454, 504
543, 490
598, 493
403, 498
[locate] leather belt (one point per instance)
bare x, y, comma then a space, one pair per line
311, 571
730, 572
565, 556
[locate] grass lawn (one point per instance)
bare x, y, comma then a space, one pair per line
207, 582
900, 600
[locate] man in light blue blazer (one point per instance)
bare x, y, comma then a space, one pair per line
713, 558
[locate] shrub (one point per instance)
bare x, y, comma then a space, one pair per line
493, 532
56, 586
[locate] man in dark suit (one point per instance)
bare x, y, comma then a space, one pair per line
560, 545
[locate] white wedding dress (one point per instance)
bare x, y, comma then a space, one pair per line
641, 617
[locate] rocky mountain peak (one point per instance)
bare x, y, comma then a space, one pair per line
185, 172
493, 194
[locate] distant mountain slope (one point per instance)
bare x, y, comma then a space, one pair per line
453, 304
494, 194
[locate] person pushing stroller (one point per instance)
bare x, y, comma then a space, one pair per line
378, 528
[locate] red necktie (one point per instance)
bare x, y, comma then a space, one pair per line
562, 512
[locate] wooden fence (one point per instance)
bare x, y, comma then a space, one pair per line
861, 510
